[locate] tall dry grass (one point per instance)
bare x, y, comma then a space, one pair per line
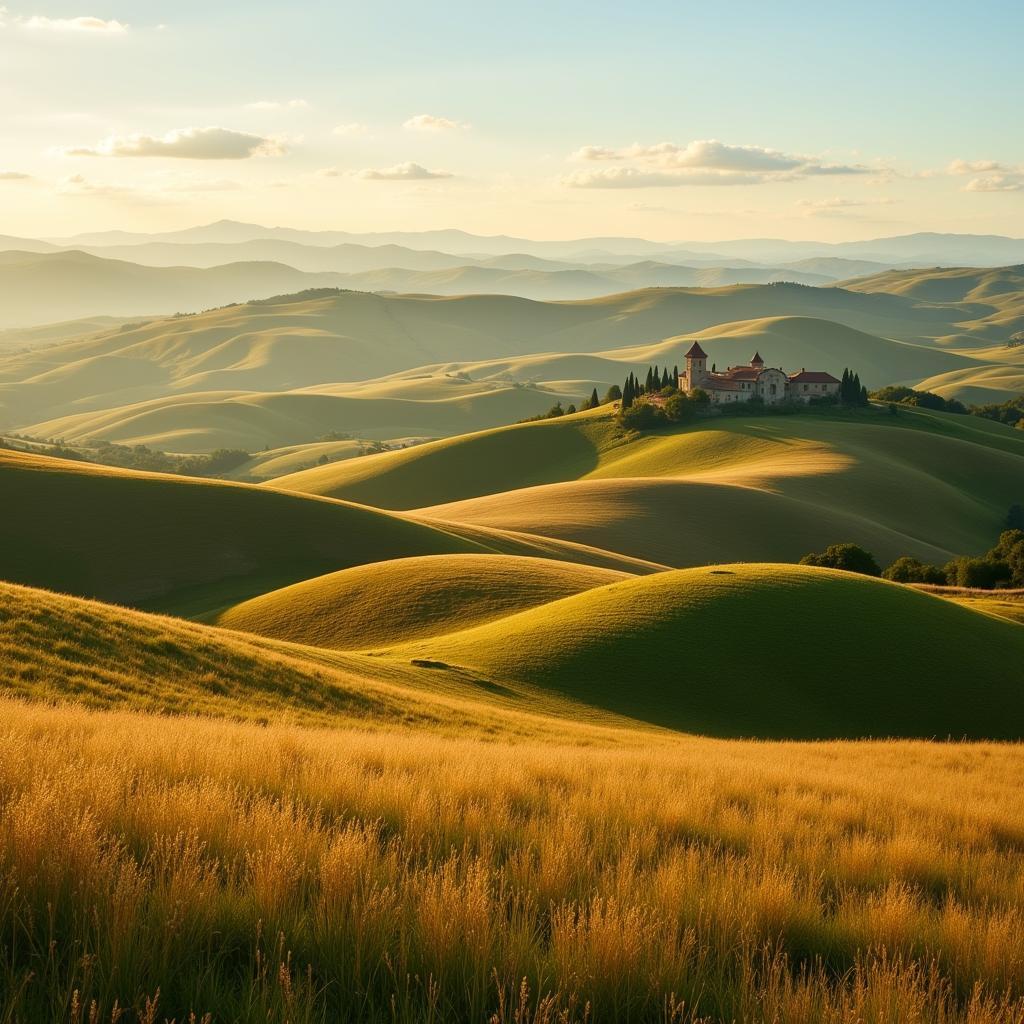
158, 869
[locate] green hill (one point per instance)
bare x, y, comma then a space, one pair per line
408, 598
194, 545
761, 650
719, 489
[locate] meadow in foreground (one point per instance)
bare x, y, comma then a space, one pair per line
155, 868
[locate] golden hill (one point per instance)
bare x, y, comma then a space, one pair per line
409, 598
295, 343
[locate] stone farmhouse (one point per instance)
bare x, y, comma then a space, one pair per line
742, 383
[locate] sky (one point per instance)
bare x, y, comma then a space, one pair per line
563, 119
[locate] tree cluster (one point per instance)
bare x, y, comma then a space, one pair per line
657, 381
1002, 566
142, 457
848, 557
899, 395
851, 391
1011, 413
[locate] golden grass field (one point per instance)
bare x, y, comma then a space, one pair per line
287, 874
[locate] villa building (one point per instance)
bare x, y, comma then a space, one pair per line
742, 383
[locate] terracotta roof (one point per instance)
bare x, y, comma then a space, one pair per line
718, 382
696, 352
742, 373
757, 359
812, 377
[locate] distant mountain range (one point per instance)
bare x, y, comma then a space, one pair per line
920, 249
120, 274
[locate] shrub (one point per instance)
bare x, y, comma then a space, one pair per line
910, 570
641, 416
922, 399
613, 394
977, 573
849, 557
678, 407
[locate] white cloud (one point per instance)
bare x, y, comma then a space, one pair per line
994, 176
408, 171
185, 143
635, 177
837, 206
14, 176
77, 185
996, 183
702, 162
351, 128
297, 104
99, 26
430, 123
974, 166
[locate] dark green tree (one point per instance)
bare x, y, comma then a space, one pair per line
910, 570
849, 557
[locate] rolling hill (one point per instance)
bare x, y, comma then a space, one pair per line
672, 650
989, 302
715, 490
191, 545
760, 650
202, 421
302, 343
409, 598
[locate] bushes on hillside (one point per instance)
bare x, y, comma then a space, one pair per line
1011, 413
1002, 566
849, 557
921, 399
910, 570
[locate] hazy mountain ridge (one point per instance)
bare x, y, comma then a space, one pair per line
917, 247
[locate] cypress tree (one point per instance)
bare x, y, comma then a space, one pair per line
594, 400
650, 378
844, 387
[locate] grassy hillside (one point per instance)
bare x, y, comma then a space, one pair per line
988, 304
747, 488
194, 545
201, 421
983, 384
762, 650
301, 342
408, 598
57, 648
